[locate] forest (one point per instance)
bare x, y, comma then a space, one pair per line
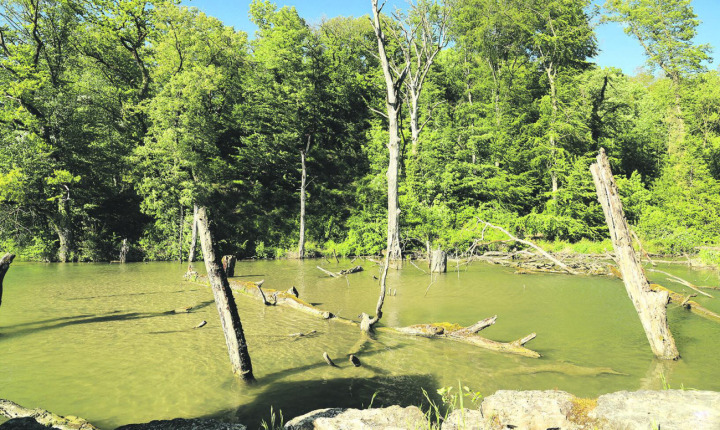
119, 117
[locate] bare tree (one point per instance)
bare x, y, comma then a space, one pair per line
393, 81
303, 186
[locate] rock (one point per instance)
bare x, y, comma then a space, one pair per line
23, 424
668, 409
392, 418
466, 419
529, 410
183, 424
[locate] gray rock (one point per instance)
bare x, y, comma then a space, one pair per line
394, 417
183, 424
529, 410
668, 409
465, 419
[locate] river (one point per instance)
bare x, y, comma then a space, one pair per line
100, 341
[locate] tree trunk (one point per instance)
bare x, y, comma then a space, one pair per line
124, 249
5, 262
393, 105
438, 261
552, 163
228, 264
65, 239
650, 305
181, 224
193, 240
226, 306
303, 184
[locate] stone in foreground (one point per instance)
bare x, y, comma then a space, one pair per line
668, 409
392, 418
529, 410
465, 419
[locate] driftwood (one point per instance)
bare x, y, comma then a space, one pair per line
681, 281
685, 302
469, 335
650, 305
328, 360
5, 262
528, 243
45, 418
342, 272
465, 334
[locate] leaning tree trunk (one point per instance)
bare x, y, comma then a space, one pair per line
4, 266
651, 305
226, 306
193, 240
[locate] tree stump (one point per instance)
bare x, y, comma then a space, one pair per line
228, 263
124, 249
5, 262
650, 305
438, 261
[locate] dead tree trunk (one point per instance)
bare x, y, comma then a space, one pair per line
367, 323
438, 261
193, 240
226, 306
181, 224
5, 262
651, 305
303, 186
393, 82
124, 249
228, 263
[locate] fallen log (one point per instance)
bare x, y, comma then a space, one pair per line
681, 281
349, 271
465, 334
5, 262
48, 419
688, 304
562, 368
650, 305
468, 335
528, 243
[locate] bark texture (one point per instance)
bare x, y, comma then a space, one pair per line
226, 306
193, 240
5, 262
650, 305
438, 261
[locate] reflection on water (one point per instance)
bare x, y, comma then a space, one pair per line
104, 341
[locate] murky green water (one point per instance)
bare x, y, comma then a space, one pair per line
98, 340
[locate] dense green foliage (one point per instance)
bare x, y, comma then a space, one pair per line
118, 116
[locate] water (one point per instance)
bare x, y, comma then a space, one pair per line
100, 341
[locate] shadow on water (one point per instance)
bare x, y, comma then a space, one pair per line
300, 397
114, 316
130, 294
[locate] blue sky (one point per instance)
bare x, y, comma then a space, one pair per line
616, 48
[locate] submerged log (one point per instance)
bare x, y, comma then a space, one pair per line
681, 281
468, 335
685, 302
438, 261
48, 419
650, 305
228, 263
343, 272
5, 262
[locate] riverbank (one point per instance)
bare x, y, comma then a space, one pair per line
553, 409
